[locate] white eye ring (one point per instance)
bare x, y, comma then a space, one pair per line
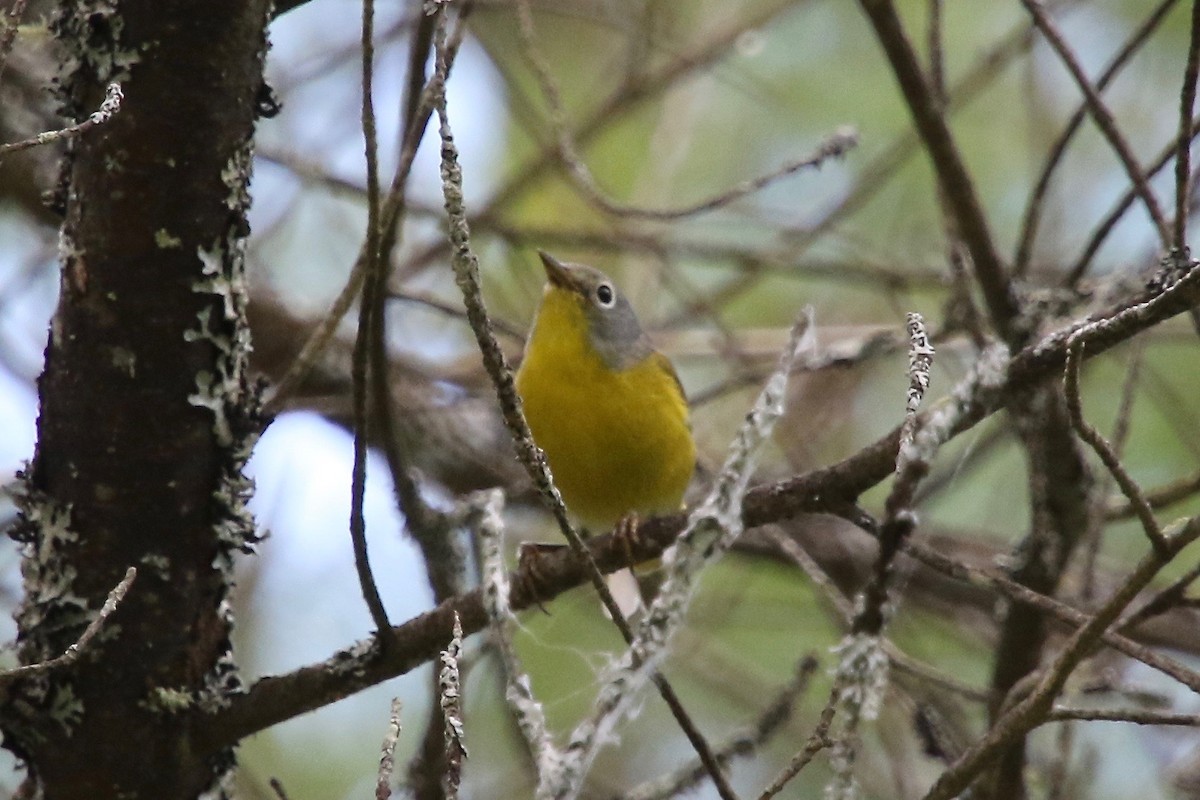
605, 295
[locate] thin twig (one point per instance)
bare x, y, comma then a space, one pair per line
362, 343
107, 110
526, 710
1102, 116
1134, 715
72, 653
1123, 204
1187, 99
818, 741
391, 213
862, 671
834, 146
1162, 497
912, 464
1103, 449
1164, 600
1023, 716
1094, 536
955, 181
1033, 209
744, 743
937, 64
1056, 608
452, 310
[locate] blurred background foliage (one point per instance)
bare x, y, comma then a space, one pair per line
671, 102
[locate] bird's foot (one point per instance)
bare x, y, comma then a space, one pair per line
625, 535
530, 556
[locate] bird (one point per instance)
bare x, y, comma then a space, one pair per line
606, 408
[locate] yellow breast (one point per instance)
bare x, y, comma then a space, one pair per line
617, 441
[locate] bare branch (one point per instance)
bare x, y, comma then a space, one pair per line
952, 173
740, 744
818, 741
1033, 210
1136, 716
1162, 497
528, 712
1106, 225
358, 482
1024, 715
834, 146
1187, 99
1102, 116
1104, 450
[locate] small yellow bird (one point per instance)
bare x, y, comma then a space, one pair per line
604, 405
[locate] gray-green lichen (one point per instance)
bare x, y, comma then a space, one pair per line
65, 708
156, 564
226, 391
125, 361
165, 240
91, 32
49, 577
167, 700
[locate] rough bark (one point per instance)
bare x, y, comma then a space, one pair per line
146, 412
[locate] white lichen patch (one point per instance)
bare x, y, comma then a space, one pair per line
158, 564
218, 390
351, 661
53, 519
205, 334
165, 240
125, 361
49, 577
101, 55
65, 708
67, 249
862, 673
229, 285
208, 395
166, 700
236, 177
235, 520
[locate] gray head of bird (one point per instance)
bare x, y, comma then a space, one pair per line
612, 324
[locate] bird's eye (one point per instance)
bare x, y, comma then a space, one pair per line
605, 295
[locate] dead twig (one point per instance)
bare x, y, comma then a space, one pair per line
107, 110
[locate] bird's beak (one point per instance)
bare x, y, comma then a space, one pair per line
557, 272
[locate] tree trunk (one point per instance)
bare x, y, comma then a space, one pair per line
147, 415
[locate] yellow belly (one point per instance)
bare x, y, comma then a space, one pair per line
617, 442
